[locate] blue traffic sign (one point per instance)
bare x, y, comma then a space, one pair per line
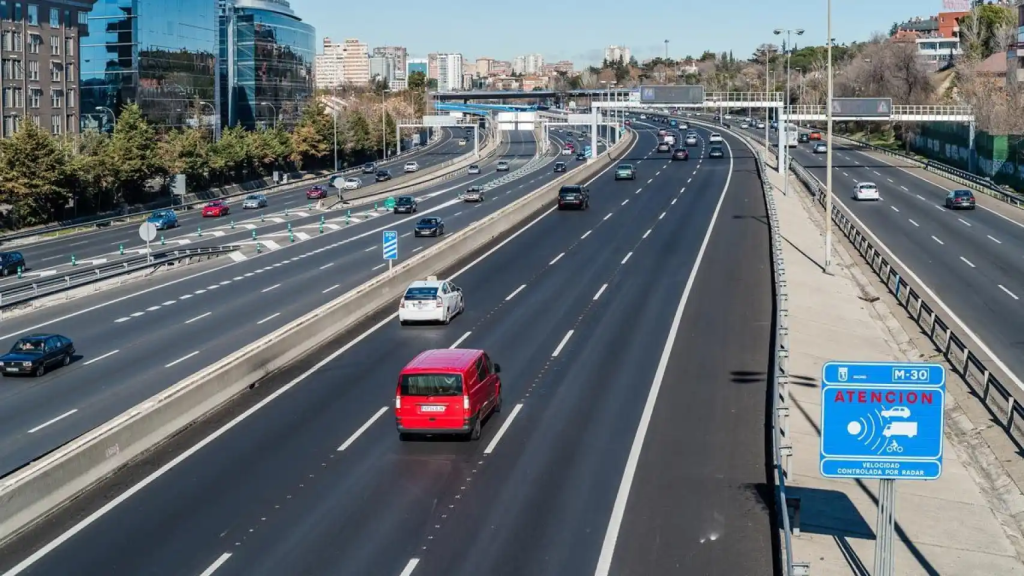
390, 245
882, 420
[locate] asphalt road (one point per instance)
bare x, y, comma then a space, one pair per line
141, 338
577, 307
103, 242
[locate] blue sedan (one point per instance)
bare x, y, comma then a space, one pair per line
430, 226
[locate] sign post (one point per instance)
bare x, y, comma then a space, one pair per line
884, 421
390, 247
148, 233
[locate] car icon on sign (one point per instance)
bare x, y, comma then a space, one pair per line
896, 412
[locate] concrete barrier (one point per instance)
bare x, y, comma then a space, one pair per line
36, 491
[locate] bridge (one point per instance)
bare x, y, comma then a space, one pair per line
525, 95
481, 109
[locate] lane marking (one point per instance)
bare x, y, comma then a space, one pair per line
271, 317
562, 343
964, 221
331, 288
905, 188
937, 240
968, 262
466, 335
359, 432
646, 234
585, 235
98, 358
198, 317
995, 240
894, 208
379, 266
122, 319
557, 258
626, 258
914, 223
417, 249
269, 289
608, 216
601, 291
504, 427
624, 202
182, 359
918, 195
407, 571
52, 420
513, 294
327, 265
1003, 288
661, 216
216, 564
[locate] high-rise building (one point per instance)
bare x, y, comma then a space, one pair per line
327, 71
519, 65
40, 54
265, 72
398, 54
433, 65
483, 66
355, 62
500, 68
382, 68
415, 65
613, 53
159, 54
533, 63
449, 72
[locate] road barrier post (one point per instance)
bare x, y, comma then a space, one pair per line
291, 236
21, 269
254, 234
262, 219
259, 248
162, 241
321, 227
232, 224
199, 232
73, 261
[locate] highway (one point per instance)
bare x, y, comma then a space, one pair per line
634, 341
140, 338
104, 242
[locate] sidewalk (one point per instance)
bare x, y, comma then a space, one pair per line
961, 524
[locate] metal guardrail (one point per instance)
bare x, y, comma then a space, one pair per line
28, 290
126, 218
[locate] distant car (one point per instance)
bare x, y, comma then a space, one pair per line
431, 300
316, 193
502, 166
429, 226
820, 148
473, 169
815, 135
680, 154
216, 209
10, 262
411, 167
462, 141
473, 194
866, 191
352, 184
690, 141
573, 196
382, 176
163, 219
254, 201
803, 138
664, 147
567, 151
560, 167
760, 125
369, 168
625, 172
580, 156
744, 125
957, 199
715, 137
406, 204
716, 152
33, 354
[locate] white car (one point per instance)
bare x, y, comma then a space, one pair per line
473, 169
462, 141
411, 166
715, 137
866, 191
352, 184
566, 152
502, 166
254, 201
431, 300
745, 126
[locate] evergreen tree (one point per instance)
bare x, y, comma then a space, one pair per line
133, 154
34, 175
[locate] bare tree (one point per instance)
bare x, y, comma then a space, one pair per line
588, 80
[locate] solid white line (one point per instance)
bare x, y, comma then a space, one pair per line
557, 258
269, 289
626, 258
407, 571
51, 421
937, 240
331, 288
601, 291
562, 343
355, 435
182, 359
914, 223
964, 221
517, 291
1014, 296
646, 234
461, 339
604, 562
585, 235
327, 265
968, 262
217, 564
142, 484
504, 427
198, 317
608, 216
271, 317
98, 358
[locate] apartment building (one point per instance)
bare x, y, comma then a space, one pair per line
398, 55
39, 55
449, 72
613, 53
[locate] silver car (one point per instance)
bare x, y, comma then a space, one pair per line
254, 201
474, 169
502, 166
352, 184
474, 194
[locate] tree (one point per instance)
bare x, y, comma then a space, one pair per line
133, 155
988, 29
707, 56
34, 175
186, 152
270, 147
230, 157
313, 137
359, 136
417, 81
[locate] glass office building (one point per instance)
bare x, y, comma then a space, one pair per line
160, 54
265, 75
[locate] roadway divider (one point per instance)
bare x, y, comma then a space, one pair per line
35, 491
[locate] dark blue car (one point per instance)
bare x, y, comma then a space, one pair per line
430, 226
32, 355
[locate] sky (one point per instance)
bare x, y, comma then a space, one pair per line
579, 31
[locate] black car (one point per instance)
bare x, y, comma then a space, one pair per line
680, 154
580, 156
34, 354
573, 196
406, 204
382, 176
369, 168
664, 147
803, 138
560, 167
960, 199
716, 152
430, 226
10, 262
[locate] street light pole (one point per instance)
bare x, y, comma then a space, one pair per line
767, 111
383, 123
113, 117
828, 154
274, 108
335, 110
787, 106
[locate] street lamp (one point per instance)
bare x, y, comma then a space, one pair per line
216, 135
784, 146
383, 121
275, 112
113, 117
828, 152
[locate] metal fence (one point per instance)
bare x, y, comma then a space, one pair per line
28, 290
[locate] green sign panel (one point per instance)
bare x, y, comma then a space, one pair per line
389, 203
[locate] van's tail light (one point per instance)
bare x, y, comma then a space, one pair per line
465, 403
438, 303
398, 402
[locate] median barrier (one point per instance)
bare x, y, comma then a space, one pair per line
32, 493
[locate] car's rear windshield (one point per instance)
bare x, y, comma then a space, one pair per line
404, 200
422, 293
625, 167
431, 385
964, 193
570, 190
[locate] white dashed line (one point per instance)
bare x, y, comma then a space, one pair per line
608, 216
182, 359
661, 216
331, 288
894, 208
516, 291
937, 240
562, 344
968, 262
198, 317
626, 258
504, 426
557, 258
136, 314
217, 564
403, 235
890, 180
876, 172
965, 222
52, 420
674, 200
379, 266
271, 317
601, 291
417, 249
585, 235
905, 188
355, 435
98, 358
269, 289
1012, 295
995, 240
407, 571
461, 339
914, 223
370, 249
918, 195
624, 202
646, 234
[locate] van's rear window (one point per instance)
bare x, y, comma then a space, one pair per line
432, 385
421, 293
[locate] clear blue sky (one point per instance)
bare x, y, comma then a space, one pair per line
579, 31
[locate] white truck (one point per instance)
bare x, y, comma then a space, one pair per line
669, 139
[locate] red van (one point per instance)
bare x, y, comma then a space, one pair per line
447, 391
